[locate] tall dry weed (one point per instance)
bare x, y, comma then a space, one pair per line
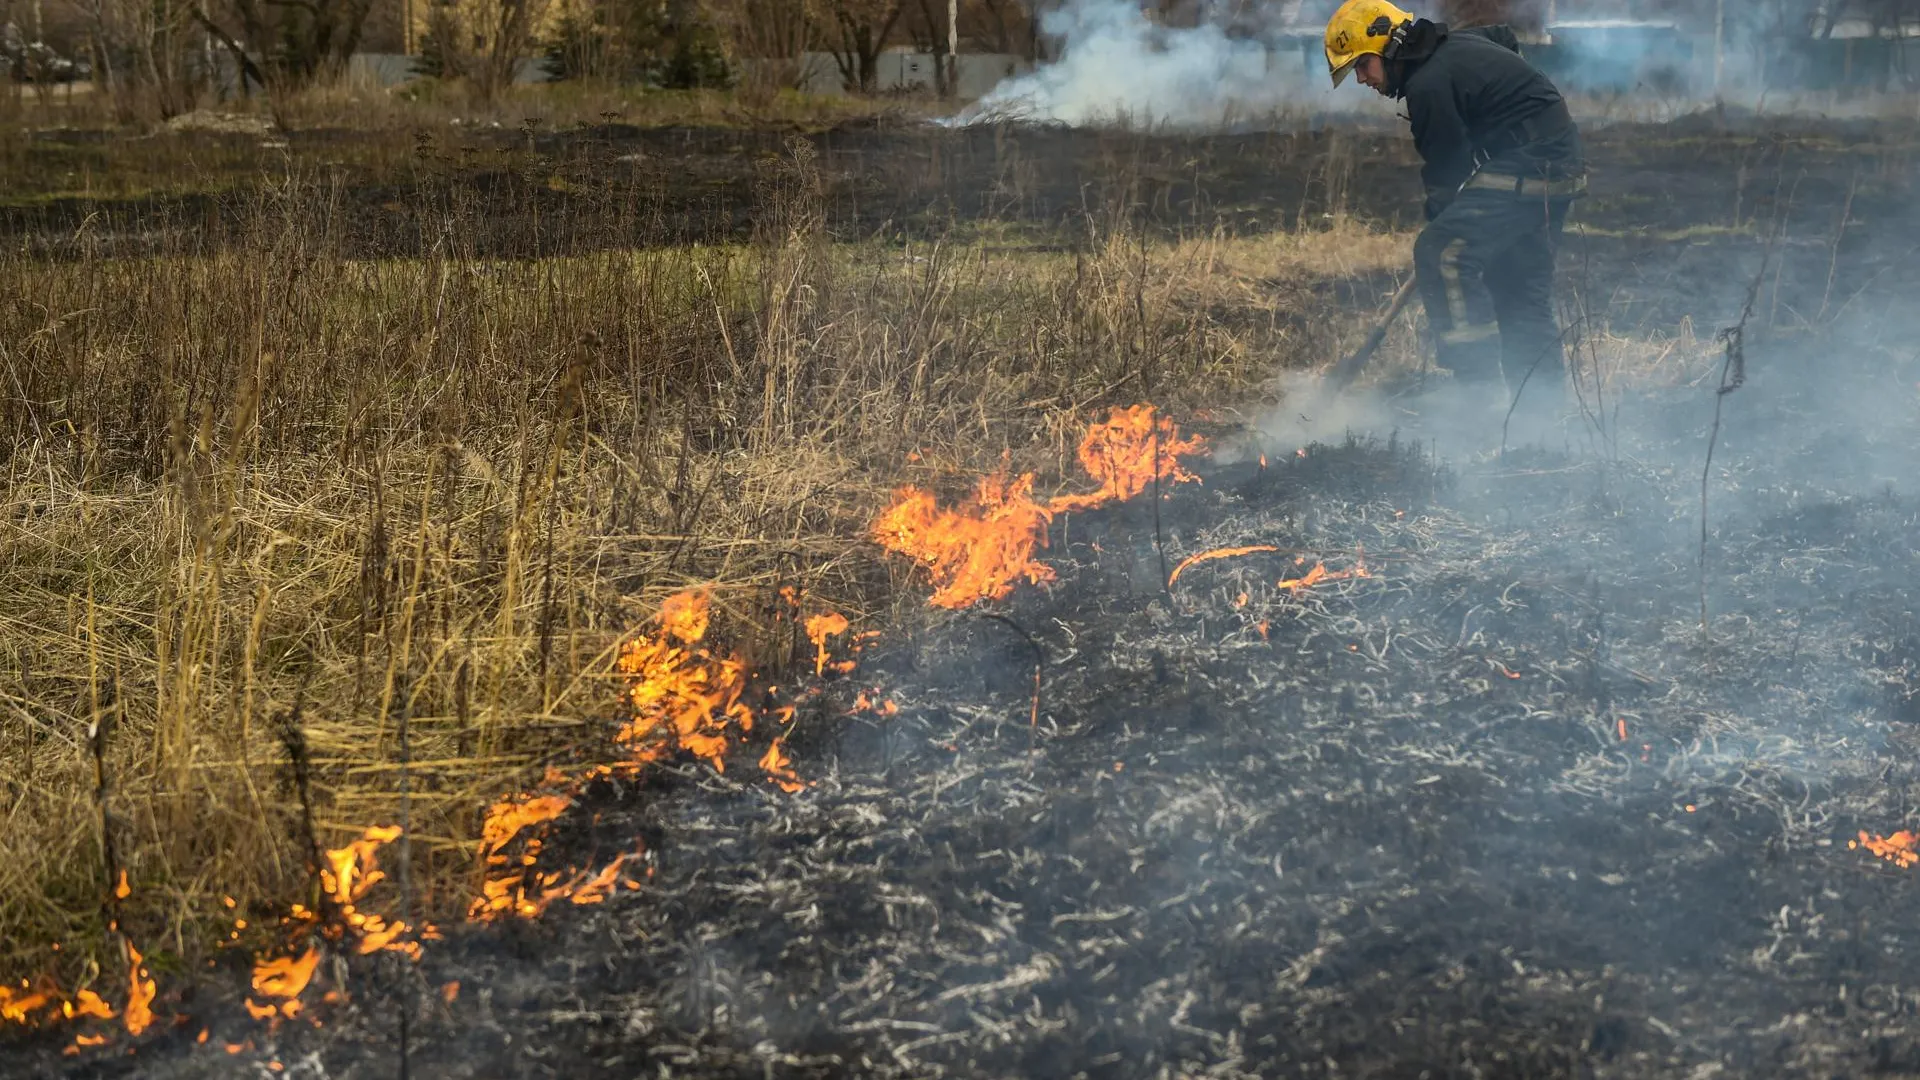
267, 501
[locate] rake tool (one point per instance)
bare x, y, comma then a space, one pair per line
1343, 372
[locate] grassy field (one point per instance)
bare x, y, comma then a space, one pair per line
348, 441
261, 487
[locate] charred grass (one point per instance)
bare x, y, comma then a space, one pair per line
324, 454
1500, 808
260, 483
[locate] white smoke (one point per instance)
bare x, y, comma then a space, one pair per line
1454, 421
1312, 411
1120, 66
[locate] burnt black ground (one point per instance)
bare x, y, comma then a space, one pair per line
1678, 216
1398, 836
1356, 846
611, 185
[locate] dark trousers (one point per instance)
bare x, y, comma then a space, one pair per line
1485, 269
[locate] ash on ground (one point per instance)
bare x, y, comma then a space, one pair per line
1499, 808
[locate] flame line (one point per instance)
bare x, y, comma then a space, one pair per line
1902, 848
978, 549
1216, 553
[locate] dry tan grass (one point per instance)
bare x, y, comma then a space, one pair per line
271, 485
1650, 360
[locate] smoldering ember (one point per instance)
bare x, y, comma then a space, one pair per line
574, 580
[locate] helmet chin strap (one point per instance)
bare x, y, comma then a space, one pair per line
1396, 35
1396, 40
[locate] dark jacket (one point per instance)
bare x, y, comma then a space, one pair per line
1470, 90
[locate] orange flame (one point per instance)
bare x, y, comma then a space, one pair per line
139, 993
866, 702
683, 696
978, 550
377, 933
528, 894
507, 893
779, 768
509, 817
352, 870
18, 1006
1216, 553
348, 875
283, 979
684, 615
819, 629
1122, 455
1320, 575
510, 896
84, 1042
1902, 848
597, 888
86, 1003
679, 691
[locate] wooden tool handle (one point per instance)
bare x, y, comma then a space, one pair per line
1344, 372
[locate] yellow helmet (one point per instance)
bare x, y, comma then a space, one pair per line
1359, 28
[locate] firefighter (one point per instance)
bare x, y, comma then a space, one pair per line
1502, 164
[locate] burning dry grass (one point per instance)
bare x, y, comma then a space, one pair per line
288, 532
980, 549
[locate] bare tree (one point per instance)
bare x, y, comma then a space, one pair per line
297, 41
145, 54
1000, 17
930, 33
483, 41
859, 32
772, 35
507, 32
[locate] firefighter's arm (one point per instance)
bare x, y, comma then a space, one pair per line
1440, 134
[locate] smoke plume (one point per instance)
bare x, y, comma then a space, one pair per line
1119, 65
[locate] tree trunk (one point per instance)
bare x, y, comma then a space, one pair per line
247, 68
869, 59
942, 49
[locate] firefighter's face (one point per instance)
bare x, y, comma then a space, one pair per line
1372, 71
